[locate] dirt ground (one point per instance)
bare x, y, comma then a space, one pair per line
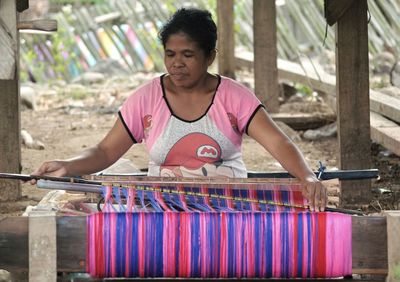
68, 125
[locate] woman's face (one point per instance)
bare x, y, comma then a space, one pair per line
185, 61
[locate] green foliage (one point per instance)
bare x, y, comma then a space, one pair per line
79, 94
61, 46
303, 89
396, 271
31, 63
211, 5
170, 7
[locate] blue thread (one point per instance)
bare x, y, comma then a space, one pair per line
300, 246
268, 244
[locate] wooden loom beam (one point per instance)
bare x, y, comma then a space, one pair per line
369, 244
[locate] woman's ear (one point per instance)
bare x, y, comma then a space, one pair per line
212, 56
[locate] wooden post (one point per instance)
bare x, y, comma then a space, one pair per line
265, 54
42, 246
352, 92
393, 245
10, 149
226, 38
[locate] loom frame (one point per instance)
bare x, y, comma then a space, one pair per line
370, 247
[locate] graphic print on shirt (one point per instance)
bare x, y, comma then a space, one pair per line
147, 124
233, 121
195, 154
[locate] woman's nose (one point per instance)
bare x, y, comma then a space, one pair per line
178, 62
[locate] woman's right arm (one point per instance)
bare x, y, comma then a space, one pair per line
93, 159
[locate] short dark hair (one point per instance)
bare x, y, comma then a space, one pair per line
197, 24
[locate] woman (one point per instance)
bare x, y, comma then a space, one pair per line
192, 121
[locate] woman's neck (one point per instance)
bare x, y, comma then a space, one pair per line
203, 85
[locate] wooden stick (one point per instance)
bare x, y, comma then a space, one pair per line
27, 177
45, 25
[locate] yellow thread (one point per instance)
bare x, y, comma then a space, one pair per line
173, 191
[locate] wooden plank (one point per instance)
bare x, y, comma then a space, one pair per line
385, 132
266, 83
334, 9
71, 244
10, 151
226, 38
8, 39
14, 244
291, 71
303, 121
7, 59
44, 25
393, 231
42, 246
386, 105
369, 244
352, 96
107, 17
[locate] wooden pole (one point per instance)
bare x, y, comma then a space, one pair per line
10, 149
393, 245
265, 54
42, 246
226, 38
352, 92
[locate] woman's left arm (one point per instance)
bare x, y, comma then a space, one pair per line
263, 129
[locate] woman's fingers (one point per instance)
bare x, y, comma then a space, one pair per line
324, 198
43, 169
317, 196
52, 168
315, 193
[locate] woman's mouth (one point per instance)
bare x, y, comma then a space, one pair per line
178, 76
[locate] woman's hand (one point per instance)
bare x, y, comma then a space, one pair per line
56, 168
315, 193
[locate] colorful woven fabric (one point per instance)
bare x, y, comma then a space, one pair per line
247, 242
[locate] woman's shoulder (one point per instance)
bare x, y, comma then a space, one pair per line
230, 87
149, 87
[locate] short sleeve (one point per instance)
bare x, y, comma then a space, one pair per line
132, 113
242, 103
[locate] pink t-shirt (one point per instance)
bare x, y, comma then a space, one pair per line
208, 146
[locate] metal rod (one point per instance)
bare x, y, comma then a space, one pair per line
326, 175
56, 185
